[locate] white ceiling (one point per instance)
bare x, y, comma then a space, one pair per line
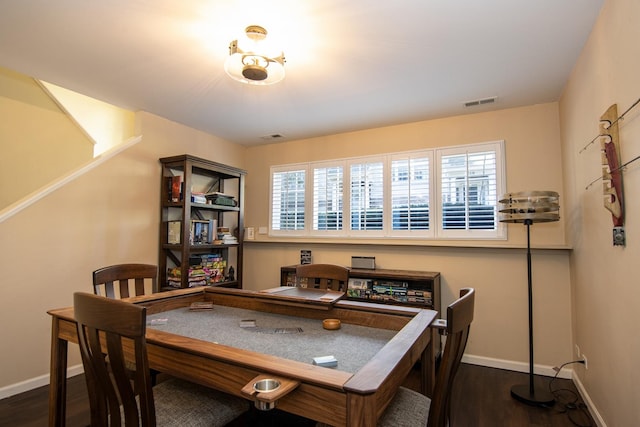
351, 65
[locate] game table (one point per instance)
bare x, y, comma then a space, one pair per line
275, 333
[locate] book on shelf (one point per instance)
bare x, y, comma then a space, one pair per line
173, 232
201, 232
217, 198
198, 198
176, 188
225, 237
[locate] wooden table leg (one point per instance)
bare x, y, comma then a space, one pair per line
428, 365
58, 378
360, 410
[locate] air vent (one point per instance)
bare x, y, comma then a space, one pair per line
272, 137
478, 102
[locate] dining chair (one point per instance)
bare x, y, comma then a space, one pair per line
115, 396
124, 276
410, 408
322, 276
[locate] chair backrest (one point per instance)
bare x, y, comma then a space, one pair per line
111, 386
459, 317
124, 275
322, 276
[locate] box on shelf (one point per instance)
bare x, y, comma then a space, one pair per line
363, 262
359, 288
204, 270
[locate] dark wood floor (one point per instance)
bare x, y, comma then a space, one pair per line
481, 398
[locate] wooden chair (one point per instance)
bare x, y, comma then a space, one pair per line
124, 275
410, 408
323, 276
113, 397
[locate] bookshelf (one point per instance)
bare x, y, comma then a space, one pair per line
201, 223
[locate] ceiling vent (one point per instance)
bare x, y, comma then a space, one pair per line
272, 137
478, 102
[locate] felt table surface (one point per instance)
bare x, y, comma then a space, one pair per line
289, 337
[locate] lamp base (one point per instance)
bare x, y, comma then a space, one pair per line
537, 397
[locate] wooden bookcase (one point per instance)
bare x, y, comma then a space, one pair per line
193, 245
417, 285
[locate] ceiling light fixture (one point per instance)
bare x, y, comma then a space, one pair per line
252, 61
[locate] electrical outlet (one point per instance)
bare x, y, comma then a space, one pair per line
578, 355
584, 359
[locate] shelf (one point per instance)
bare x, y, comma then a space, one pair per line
391, 302
229, 284
180, 205
182, 176
177, 247
215, 207
428, 281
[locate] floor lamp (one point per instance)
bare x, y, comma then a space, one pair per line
529, 207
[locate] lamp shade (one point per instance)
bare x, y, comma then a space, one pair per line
530, 206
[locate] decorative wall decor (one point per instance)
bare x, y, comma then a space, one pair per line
611, 172
612, 188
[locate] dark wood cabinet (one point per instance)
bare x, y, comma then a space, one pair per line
201, 223
399, 287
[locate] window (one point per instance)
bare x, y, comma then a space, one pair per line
410, 192
470, 182
448, 193
288, 199
366, 195
327, 198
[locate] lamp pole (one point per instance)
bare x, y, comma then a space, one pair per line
527, 208
528, 393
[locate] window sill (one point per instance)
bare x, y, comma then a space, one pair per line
488, 244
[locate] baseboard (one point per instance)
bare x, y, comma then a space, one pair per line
510, 365
36, 382
587, 400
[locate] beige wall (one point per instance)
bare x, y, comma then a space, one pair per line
38, 143
532, 146
108, 215
107, 124
587, 295
604, 278
500, 329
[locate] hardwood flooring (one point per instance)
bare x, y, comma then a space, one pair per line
481, 398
